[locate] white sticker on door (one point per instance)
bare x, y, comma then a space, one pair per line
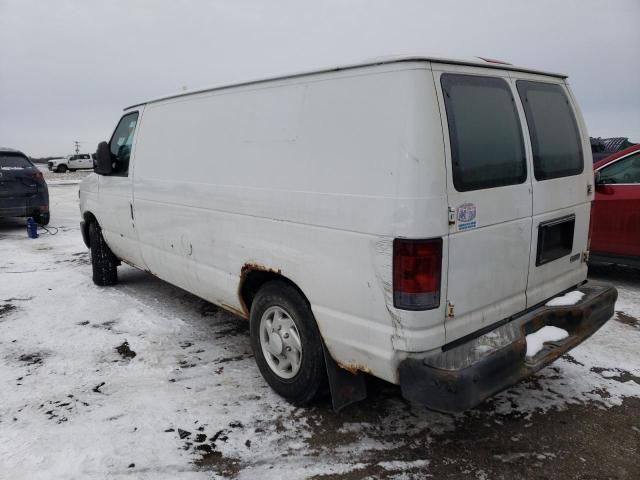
466, 215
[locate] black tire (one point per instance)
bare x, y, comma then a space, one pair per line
41, 218
61, 168
310, 379
103, 262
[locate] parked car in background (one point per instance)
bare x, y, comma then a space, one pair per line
23, 190
71, 162
615, 219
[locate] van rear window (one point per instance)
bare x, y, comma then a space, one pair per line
555, 138
487, 148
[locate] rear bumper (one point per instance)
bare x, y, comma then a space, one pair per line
15, 212
24, 206
461, 377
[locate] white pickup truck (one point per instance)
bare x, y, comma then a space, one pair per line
71, 162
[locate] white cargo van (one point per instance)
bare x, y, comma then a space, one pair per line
408, 218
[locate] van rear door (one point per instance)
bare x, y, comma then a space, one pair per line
489, 196
562, 184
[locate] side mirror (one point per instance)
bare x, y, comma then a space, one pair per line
598, 178
103, 159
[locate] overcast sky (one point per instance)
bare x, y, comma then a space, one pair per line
67, 68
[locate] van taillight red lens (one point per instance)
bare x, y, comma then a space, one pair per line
417, 266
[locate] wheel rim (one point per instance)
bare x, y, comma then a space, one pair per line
280, 342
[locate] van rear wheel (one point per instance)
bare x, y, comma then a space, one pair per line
104, 263
286, 343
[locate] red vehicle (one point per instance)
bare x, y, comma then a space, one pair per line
615, 218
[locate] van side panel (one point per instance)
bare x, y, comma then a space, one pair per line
312, 177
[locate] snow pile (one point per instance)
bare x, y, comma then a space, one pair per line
565, 300
536, 341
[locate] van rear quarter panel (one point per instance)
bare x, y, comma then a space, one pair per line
312, 177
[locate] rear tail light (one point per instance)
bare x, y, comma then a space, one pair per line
417, 267
37, 175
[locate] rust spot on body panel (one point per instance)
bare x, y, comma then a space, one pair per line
240, 313
249, 267
246, 269
354, 367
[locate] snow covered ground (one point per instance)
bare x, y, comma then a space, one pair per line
147, 381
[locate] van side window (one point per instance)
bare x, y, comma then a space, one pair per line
487, 148
555, 138
121, 142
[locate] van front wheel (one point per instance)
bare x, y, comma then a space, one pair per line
103, 262
286, 343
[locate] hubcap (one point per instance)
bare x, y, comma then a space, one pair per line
280, 342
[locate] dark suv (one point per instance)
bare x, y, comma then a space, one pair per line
23, 191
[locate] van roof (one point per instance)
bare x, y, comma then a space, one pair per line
474, 61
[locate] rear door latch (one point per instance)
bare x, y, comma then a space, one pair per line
452, 216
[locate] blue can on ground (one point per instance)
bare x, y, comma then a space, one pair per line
32, 228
